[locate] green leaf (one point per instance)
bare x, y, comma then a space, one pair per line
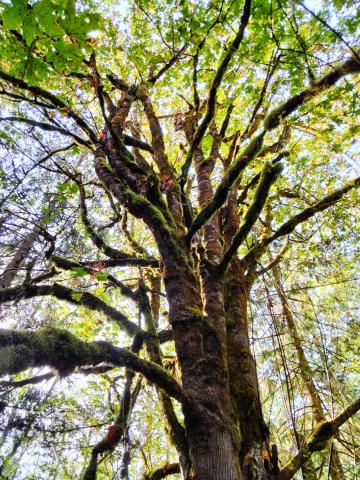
79, 271
11, 18
102, 276
76, 296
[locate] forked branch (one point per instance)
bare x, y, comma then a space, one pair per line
317, 441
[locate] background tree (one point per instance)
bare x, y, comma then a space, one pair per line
178, 239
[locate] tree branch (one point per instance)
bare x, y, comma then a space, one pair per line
67, 264
335, 32
211, 102
154, 78
47, 127
57, 348
72, 296
136, 143
352, 65
301, 217
127, 260
162, 472
268, 176
54, 100
271, 121
323, 432
95, 238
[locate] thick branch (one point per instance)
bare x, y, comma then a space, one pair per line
268, 176
275, 116
126, 261
72, 296
136, 143
211, 102
318, 440
290, 225
271, 121
162, 472
27, 381
57, 348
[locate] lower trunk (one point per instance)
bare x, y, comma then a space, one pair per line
202, 359
243, 377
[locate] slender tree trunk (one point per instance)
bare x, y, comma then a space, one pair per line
22, 252
336, 470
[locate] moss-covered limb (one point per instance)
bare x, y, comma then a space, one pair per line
67, 264
123, 262
286, 228
203, 170
318, 440
167, 173
254, 181
118, 82
268, 176
54, 100
47, 127
136, 143
230, 178
139, 206
215, 84
95, 238
57, 348
273, 119
226, 121
165, 336
162, 472
27, 381
61, 292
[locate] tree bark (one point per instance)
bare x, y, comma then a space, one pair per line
22, 252
201, 352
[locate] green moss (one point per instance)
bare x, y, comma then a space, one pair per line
320, 436
14, 357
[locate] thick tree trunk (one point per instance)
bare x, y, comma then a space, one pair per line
200, 345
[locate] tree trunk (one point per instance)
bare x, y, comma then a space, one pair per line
201, 349
306, 374
22, 252
243, 377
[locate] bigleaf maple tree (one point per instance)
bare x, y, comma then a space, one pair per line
171, 170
